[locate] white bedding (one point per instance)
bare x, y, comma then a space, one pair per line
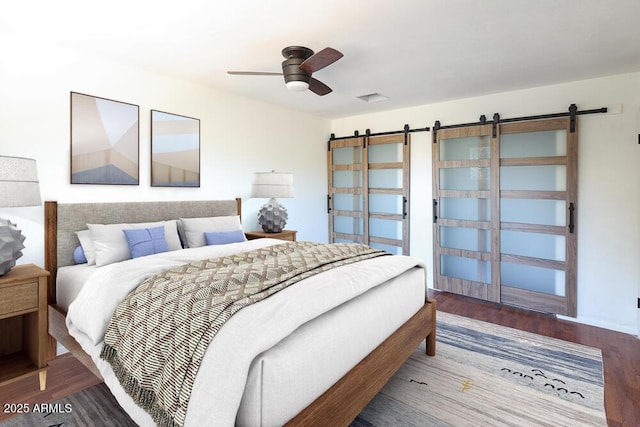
305, 364
217, 393
69, 282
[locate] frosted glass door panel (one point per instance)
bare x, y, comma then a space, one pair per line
465, 268
464, 179
347, 202
465, 208
533, 211
347, 225
385, 228
385, 203
530, 278
549, 143
385, 178
385, 153
536, 178
467, 148
347, 179
465, 238
347, 155
536, 245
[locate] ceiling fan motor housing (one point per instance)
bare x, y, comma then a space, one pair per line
295, 55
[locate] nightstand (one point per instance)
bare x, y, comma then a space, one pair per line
283, 235
23, 324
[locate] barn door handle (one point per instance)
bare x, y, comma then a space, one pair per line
572, 208
435, 211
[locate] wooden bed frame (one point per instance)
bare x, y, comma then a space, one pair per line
337, 406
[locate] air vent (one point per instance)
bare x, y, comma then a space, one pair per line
373, 97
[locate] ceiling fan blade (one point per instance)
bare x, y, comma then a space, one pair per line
317, 87
319, 60
253, 73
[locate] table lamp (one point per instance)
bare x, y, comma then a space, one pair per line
272, 217
18, 187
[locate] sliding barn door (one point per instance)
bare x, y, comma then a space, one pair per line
347, 201
505, 209
538, 202
388, 192
368, 199
464, 212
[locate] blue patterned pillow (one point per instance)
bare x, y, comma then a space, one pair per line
146, 241
224, 237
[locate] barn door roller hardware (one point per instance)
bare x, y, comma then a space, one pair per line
572, 113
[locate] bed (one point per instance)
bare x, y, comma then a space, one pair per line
324, 372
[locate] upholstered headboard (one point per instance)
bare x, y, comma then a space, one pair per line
62, 220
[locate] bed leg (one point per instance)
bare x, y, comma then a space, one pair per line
431, 338
431, 344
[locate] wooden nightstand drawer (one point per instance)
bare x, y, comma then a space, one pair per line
18, 298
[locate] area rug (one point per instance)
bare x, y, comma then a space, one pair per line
91, 407
489, 375
482, 375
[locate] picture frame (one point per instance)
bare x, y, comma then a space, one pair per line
105, 141
175, 150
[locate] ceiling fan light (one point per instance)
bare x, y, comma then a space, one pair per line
297, 85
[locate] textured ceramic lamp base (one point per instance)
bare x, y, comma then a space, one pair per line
11, 246
272, 216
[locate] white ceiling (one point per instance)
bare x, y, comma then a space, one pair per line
413, 51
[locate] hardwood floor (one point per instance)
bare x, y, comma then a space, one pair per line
66, 375
620, 354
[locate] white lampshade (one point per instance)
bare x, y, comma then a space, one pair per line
19, 182
297, 85
272, 185
18, 187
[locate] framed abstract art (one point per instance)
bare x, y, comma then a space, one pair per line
175, 150
104, 141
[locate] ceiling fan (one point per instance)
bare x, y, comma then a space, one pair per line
300, 62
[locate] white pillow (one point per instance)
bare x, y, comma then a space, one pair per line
87, 246
194, 228
111, 245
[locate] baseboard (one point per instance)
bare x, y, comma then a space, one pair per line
631, 330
